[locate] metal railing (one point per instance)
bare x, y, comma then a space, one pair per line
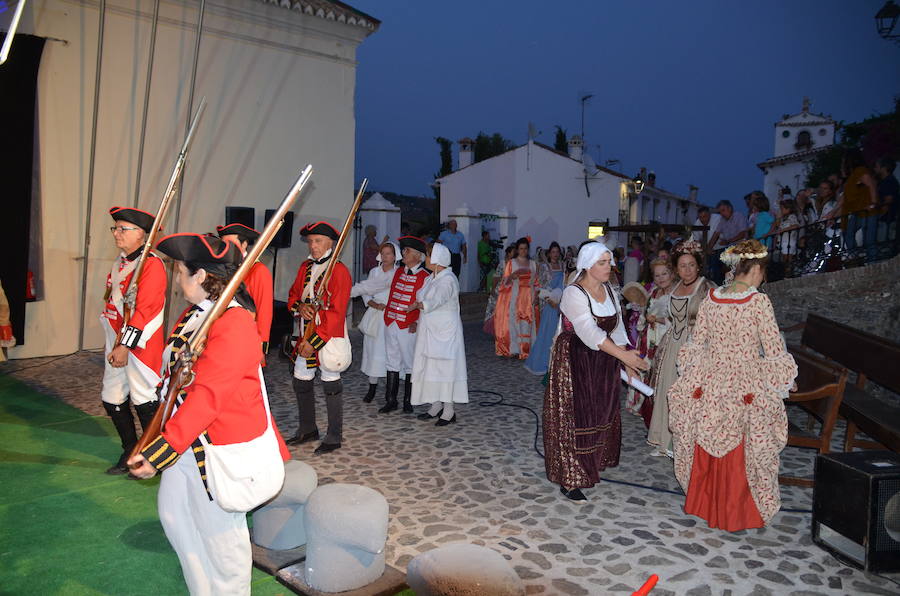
831, 244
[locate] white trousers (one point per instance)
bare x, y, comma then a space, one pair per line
399, 347
212, 544
135, 379
308, 374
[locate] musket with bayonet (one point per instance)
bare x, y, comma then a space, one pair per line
182, 371
150, 241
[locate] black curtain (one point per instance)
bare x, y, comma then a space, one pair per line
18, 81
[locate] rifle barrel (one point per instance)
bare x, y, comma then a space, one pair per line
161, 211
191, 352
335, 257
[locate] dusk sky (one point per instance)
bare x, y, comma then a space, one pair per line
690, 90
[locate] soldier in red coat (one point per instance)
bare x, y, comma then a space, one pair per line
133, 347
401, 324
258, 282
331, 323
225, 401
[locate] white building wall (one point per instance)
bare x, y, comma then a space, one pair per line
280, 87
792, 174
543, 190
486, 187
820, 134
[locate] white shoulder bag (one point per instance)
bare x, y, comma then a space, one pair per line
243, 476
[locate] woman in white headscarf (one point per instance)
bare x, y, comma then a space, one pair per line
582, 419
439, 366
374, 291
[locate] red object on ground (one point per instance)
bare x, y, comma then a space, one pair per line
648, 585
719, 493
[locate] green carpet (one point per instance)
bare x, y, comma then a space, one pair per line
65, 526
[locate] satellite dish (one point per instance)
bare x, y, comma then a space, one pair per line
590, 168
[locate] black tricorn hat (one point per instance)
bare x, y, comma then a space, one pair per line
244, 232
323, 228
211, 253
141, 219
412, 242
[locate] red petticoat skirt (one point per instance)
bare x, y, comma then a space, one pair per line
718, 491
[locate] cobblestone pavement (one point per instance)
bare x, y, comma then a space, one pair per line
481, 481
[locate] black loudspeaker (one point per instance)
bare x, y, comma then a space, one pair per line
283, 238
856, 508
241, 215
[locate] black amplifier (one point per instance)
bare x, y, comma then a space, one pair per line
856, 508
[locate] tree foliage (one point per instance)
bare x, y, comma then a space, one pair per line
446, 156
446, 163
490, 146
561, 141
876, 136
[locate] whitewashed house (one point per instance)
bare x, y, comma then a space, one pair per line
534, 190
798, 139
279, 78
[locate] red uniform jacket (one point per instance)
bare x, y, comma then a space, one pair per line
149, 303
259, 285
404, 288
225, 398
333, 312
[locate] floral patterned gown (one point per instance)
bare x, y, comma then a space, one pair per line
726, 411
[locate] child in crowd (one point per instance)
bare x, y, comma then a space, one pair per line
788, 220
652, 326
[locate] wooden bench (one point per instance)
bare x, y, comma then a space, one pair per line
872, 358
820, 389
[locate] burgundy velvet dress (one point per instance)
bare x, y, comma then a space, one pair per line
582, 418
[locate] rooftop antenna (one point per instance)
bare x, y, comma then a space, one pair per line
584, 99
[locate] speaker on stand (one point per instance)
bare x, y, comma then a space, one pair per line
282, 239
856, 508
282, 322
242, 215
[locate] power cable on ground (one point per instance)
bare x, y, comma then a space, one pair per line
500, 402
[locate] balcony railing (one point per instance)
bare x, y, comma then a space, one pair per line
831, 244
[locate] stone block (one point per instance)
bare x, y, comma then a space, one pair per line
462, 570
279, 524
346, 526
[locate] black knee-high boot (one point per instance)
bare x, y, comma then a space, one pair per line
123, 420
306, 413
407, 395
392, 386
371, 393
334, 403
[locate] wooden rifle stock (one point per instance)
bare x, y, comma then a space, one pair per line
310, 326
150, 242
183, 370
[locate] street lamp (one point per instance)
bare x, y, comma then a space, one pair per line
596, 229
886, 20
638, 183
